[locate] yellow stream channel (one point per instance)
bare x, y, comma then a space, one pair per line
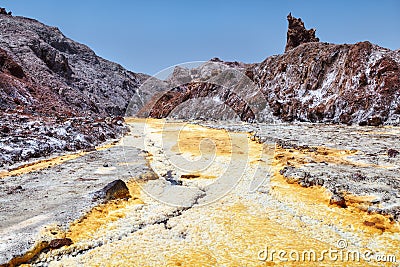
239, 230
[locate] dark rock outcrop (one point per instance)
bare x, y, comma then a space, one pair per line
297, 34
170, 100
206, 92
9, 66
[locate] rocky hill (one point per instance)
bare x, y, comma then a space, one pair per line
311, 82
49, 73
56, 94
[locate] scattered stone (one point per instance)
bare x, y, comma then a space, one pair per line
114, 190
313, 149
171, 179
392, 153
190, 176
174, 182
148, 176
338, 201
119, 120
5, 129
375, 121
358, 176
58, 243
14, 190
169, 174
286, 144
367, 223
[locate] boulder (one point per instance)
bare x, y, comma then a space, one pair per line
338, 201
114, 190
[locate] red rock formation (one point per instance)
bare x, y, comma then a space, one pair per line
333, 83
297, 34
55, 94
310, 82
165, 104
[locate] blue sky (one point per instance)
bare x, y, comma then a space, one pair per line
148, 36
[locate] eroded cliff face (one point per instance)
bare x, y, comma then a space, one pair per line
311, 82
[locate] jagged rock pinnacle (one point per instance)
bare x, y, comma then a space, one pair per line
297, 34
3, 11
